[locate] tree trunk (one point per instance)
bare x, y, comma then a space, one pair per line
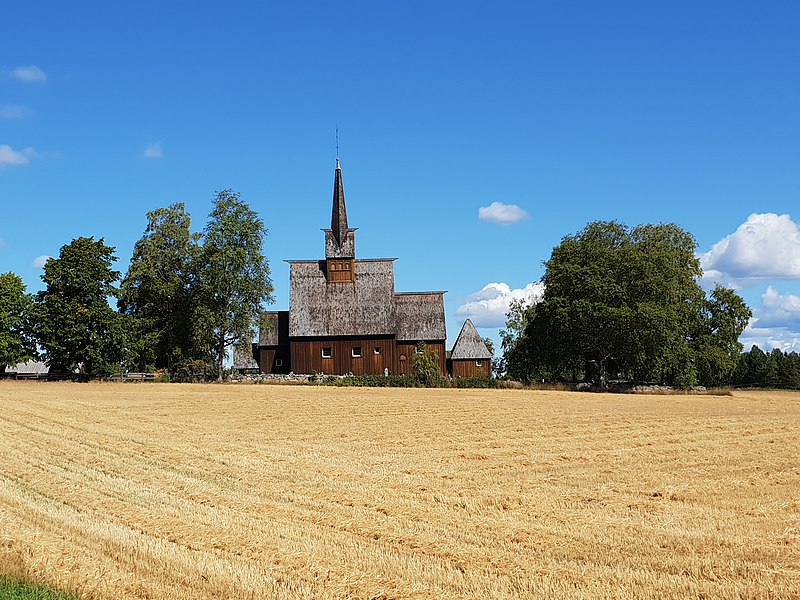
220, 355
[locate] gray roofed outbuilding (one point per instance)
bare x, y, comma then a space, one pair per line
469, 344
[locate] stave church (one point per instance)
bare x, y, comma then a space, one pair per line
346, 317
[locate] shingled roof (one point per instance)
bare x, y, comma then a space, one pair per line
340, 240
363, 307
274, 328
420, 316
469, 344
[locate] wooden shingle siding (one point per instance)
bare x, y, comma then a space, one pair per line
469, 344
364, 307
420, 316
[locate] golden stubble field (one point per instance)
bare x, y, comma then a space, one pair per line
212, 491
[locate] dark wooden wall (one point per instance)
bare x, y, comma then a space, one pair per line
376, 354
306, 356
406, 350
468, 368
267, 356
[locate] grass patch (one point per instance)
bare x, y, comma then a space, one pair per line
14, 589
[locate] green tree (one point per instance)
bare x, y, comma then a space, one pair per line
425, 364
625, 303
716, 347
516, 361
16, 339
233, 279
157, 291
74, 324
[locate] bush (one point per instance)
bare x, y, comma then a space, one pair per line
406, 381
477, 382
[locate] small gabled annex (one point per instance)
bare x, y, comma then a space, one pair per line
470, 357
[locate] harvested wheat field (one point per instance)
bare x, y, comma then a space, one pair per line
213, 491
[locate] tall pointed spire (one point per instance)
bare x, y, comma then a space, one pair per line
339, 215
340, 240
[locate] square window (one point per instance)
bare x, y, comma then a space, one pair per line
278, 362
376, 350
478, 363
357, 351
327, 352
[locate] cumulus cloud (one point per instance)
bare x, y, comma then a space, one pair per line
9, 156
777, 310
769, 339
505, 214
10, 111
766, 246
488, 307
775, 322
38, 262
32, 74
153, 151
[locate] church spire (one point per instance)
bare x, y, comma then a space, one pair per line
340, 240
339, 214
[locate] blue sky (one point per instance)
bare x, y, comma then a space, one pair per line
685, 112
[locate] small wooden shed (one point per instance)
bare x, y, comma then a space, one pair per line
470, 357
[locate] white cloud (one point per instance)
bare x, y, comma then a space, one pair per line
505, 214
32, 74
488, 307
10, 111
776, 310
766, 246
9, 156
769, 339
775, 323
153, 151
38, 262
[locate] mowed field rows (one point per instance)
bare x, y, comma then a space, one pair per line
221, 491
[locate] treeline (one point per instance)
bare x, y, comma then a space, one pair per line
775, 369
186, 299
